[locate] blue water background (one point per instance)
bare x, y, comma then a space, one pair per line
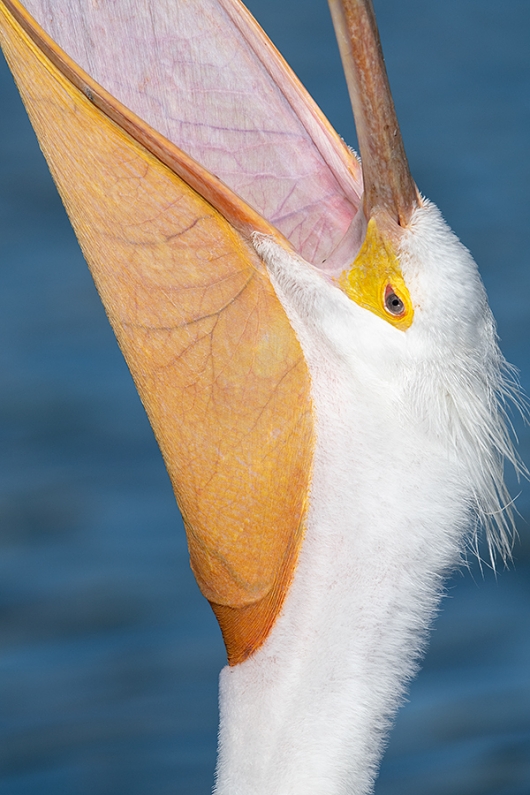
109, 656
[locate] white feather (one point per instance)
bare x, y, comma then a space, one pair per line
410, 442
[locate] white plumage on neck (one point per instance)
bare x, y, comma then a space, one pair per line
392, 497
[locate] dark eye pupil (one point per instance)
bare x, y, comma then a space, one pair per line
394, 304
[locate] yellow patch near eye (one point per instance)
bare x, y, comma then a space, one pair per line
375, 282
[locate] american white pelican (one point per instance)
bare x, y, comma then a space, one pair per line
404, 414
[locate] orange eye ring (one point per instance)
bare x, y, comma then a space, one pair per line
393, 303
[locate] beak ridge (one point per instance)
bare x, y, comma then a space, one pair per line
388, 184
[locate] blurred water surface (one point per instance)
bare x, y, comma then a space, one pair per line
108, 654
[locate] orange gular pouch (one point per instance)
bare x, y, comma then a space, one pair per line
215, 360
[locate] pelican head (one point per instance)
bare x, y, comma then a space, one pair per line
312, 343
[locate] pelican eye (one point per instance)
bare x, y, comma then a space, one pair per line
393, 302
